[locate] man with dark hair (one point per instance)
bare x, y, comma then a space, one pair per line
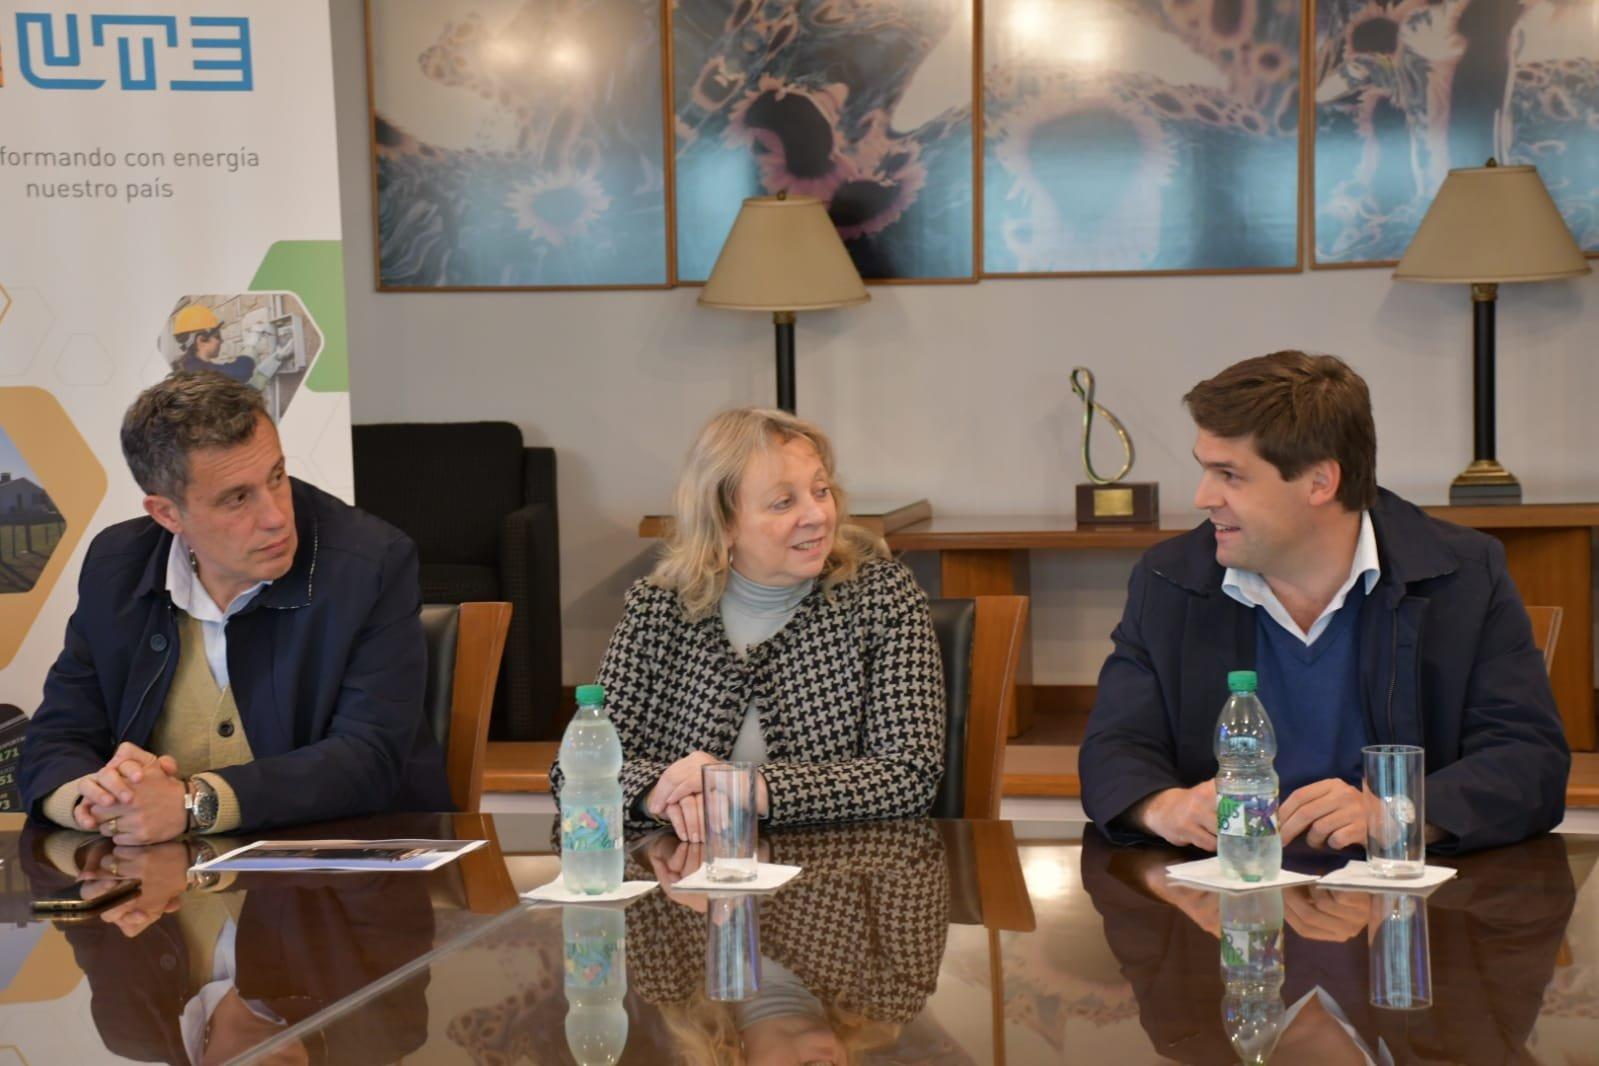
250, 654
1367, 621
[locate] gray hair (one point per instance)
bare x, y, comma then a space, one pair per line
184, 412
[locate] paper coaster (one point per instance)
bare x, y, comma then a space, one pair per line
1207, 874
557, 892
768, 876
1358, 875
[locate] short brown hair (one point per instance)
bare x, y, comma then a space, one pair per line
1297, 409
180, 414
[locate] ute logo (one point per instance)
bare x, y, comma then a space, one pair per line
135, 53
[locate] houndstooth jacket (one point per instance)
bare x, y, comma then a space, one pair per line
864, 925
850, 695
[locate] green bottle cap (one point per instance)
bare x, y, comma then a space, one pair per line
1241, 681
591, 695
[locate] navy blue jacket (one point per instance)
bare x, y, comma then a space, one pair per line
1446, 661
327, 665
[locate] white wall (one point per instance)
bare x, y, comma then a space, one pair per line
956, 393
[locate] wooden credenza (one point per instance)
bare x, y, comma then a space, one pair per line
1549, 547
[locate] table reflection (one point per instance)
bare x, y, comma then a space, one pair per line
202, 972
848, 954
1290, 974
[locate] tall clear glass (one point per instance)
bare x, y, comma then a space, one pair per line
731, 835
732, 947
1396, 810
1401, 962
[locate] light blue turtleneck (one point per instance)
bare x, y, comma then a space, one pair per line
752, 613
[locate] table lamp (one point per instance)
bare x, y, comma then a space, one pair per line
1489, 225
783, 255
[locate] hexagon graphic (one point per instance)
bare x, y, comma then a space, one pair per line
314, 271
23, 329
84, 361
267, 339
54, 485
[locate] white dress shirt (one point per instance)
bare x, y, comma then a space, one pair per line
190, 597
1252, 590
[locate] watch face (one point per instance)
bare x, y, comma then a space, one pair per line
205, 805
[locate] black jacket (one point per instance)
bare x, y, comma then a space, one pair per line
1446, 661
327, 666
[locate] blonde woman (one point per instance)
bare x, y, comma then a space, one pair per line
774, 631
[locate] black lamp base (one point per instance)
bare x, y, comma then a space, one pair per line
1485, 481
783, 330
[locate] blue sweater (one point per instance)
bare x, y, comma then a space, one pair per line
1312, 694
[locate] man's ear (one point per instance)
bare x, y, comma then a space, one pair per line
1326, 477
165, 512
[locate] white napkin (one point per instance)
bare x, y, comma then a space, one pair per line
1357, 874
557, 892
1207, 874
768, 876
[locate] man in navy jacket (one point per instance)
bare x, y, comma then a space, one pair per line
249, 654
1368, 621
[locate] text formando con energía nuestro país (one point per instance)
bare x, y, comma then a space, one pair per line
144, 187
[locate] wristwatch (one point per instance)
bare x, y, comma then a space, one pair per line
200, 803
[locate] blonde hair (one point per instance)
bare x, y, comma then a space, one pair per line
704, 1032
695, 561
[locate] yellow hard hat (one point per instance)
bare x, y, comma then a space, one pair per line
194, 317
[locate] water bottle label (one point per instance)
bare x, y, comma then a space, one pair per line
1246, 816
590, 962
1255, 950
589, 829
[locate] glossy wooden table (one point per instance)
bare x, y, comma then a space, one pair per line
921, 941
956, 943
1549, 548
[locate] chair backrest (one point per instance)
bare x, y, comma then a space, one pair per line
955, 624
464, 642
447, 485
1546, 631
981, 640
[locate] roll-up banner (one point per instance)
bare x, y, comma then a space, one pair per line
168, 198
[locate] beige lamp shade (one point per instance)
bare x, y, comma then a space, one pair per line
1492, 224
783, 254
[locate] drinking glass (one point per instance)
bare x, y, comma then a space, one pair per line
1396, 815
730, 821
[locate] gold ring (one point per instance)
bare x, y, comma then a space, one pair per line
111, 824
115, 870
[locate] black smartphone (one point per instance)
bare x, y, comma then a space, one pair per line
70, 899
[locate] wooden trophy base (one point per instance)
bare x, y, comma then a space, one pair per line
1130, 503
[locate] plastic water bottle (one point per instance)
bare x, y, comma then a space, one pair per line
596, 983
591, 799
1247, 841
1252, 971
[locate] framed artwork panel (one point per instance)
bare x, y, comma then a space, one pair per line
1407, 91
865, 104
1127, 136
519, 144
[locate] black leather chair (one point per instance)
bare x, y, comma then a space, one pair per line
955, 623
464, 646
441, 626
482, 510
981, 643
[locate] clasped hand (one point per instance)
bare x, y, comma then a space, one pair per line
136, 798
162, 873
678, 796
1330, 814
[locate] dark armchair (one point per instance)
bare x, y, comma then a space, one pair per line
481, 508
